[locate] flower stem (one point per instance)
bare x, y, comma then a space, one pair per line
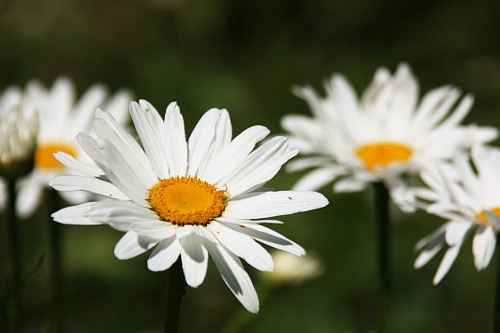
175, 290
496, 308
381, 201
14, 292
55, 260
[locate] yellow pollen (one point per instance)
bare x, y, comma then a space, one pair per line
482, 218
382, 154
44, 155
187, 200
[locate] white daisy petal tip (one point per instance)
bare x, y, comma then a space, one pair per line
173, 107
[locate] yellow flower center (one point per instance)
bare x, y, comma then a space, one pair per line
482, 218
44, 155
187, 200
381, 154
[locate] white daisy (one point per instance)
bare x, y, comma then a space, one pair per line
18, 129
18, 132
61, 118
469, 198
385, 135
290, 269
192, 199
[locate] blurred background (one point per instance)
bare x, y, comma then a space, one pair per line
245, 56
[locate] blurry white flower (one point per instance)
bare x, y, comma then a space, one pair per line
468, 197
61, 118
18, 133
384, 136
189, 198
290, 269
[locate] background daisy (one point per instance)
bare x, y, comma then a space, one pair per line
18, 133
189, 199
386, 134
61, 118
468, 197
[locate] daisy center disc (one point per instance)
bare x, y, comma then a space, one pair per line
382, 154
44, 155
187, 200
483, 219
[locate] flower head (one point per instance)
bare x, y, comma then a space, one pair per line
384, 136
190, 198
18, 133
289, 269
61, 118
468, 197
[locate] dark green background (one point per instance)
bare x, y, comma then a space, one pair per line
245, 56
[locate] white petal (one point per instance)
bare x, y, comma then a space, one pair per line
75, 197
131, 245
82, 113
299, 164
91, 148
240, 221
117, 105
234, 153
151, 131
75, 215
194, 257
28, 198
122, 146
445, 265
158, 230
270, 204
483, 247
260, 166
126, 176
202, 139
430, 246
494, 218
164, 255
80, 167
234, 276
93, 185
426, 255
175, 141
270, 237
117, 213
456, 231
318, 178
243, 246
349, 185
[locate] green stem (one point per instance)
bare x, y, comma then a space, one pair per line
55, 261
176, 289
14, 292
496, 309
382, 201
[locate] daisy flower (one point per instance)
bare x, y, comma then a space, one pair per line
18, 132
293, 270
61, 118
468, 197
384, 136
189, 199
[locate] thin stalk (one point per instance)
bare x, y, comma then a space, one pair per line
382, 202
496, 308
14, 294
55, 261
175, 290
